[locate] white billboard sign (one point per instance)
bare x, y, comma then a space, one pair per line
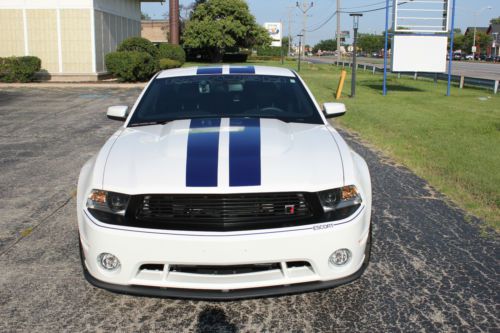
275, 32
414, 53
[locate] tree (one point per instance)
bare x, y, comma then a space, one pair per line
459, 42
371, 43
482, 41
145, 16
217, 25
495, 20
325, 45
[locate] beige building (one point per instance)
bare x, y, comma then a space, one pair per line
71, 37
155, 30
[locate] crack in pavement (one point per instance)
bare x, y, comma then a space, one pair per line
36, 225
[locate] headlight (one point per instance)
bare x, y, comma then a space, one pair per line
108, 202
340, 202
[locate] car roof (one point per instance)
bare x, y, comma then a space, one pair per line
226, 70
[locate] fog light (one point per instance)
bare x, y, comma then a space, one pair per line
108, 261
340, 257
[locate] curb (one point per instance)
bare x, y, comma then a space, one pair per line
74, 85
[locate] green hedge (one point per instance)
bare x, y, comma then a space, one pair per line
269, 51
131, 65
139, 44
19, 69
169, 64
171, 51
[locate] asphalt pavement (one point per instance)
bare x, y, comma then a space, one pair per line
432, 267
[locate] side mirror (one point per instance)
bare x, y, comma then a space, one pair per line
332, 110
118, 112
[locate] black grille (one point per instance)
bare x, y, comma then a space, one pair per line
222, 212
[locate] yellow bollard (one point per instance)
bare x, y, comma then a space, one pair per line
343, 74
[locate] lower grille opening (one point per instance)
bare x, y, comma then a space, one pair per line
151, 267
223, 270
292, 264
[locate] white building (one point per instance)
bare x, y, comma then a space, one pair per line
71, 37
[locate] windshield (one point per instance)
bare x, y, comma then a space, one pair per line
210, 96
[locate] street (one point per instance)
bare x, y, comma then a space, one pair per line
432, 268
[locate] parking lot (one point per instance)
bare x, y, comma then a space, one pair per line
433, 268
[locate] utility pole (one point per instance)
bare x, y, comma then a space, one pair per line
304, 8
339, 57
290, 10
474, 49
174, 21
355, 17
300, 47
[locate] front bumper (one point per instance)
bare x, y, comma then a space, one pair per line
312, 244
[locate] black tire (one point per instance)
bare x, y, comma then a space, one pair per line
368, 248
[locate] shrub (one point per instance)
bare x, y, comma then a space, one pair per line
171, 51
138, 44
269, 51
235, 57
264, 58
131, 65
19, 69
169, 64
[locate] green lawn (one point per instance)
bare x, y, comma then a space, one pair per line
452, 142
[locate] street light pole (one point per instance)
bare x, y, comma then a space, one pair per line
355, 17
476, 14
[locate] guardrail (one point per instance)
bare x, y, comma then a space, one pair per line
462, 80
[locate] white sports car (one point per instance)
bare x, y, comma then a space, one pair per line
223, 183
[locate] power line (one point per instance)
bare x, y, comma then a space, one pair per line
363, 6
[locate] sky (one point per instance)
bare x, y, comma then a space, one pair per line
373, 22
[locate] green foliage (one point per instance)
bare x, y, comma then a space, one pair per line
216, 25
263, 58
19, 69
284, 43
169, 63
465, 42
495, 20
131, 65
269, 51
171, 51
370, 42
139, 44
145, 16
325, 45
235, 57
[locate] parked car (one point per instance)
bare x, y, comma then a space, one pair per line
457, 56
224, 182
469, 57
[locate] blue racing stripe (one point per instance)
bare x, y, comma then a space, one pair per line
244, 152
203, 153
209, 70
241, 70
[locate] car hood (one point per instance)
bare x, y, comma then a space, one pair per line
223, 156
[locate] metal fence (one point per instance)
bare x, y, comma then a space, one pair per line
460, 80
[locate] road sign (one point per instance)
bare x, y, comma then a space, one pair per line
275, 32
474, 49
